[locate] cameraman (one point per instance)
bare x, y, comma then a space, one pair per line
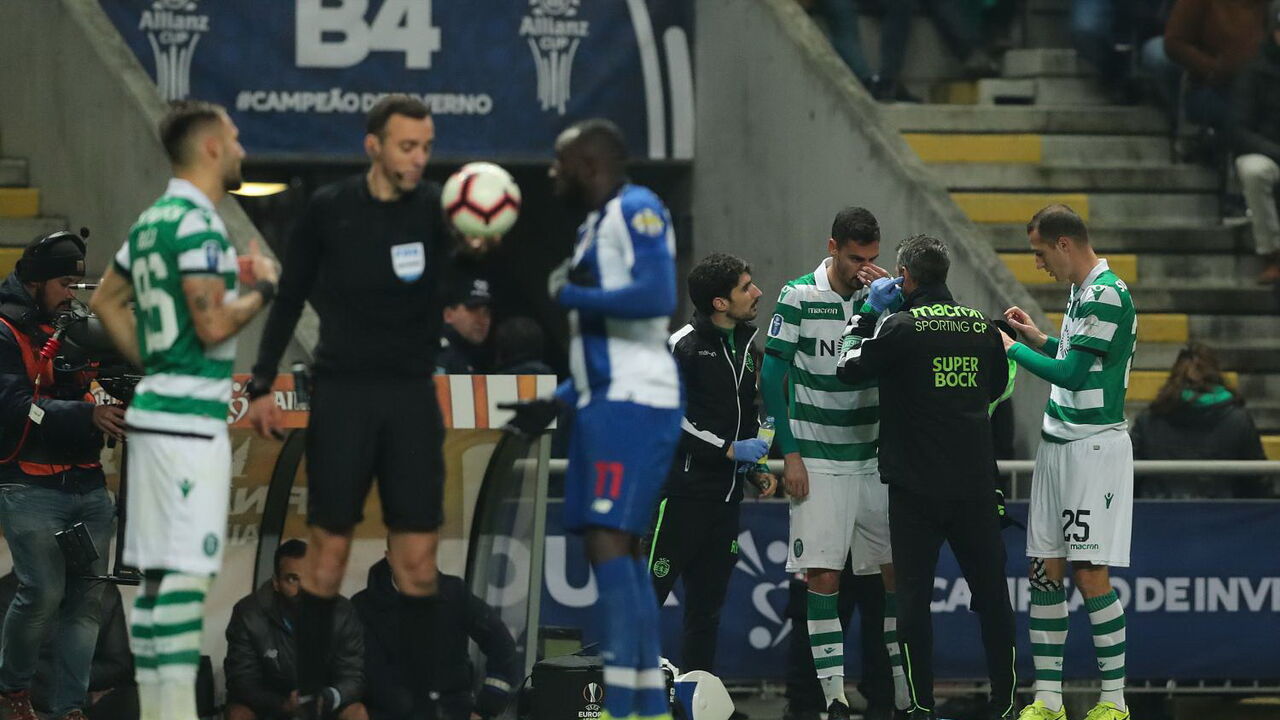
50, 480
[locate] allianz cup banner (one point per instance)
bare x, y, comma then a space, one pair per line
1201, 599
502, 77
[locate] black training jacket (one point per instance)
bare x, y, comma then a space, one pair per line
940, 365
720, 407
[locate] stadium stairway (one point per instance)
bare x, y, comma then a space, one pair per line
20, 219
1044, 132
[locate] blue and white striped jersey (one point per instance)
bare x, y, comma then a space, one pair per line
622, 291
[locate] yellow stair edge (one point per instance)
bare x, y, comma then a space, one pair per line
1152, 327
1144, 384
19, 202
1023, 267
974, 148
1271, 445
957, 92
998, 207
8, 258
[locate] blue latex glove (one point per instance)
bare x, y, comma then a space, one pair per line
749, 450
883, 292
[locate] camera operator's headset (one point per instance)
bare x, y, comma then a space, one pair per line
38, 259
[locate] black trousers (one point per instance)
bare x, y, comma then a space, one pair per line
866, 594
696, 540
918, 525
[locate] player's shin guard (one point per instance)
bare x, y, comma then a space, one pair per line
1048, 635
315, 628
826, 642
1106, 615
901, 694
619, 634
142, 641
651, 683
177, 621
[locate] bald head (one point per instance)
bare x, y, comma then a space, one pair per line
591, 158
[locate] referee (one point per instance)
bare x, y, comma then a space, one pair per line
369, 252
940, 366
696, 536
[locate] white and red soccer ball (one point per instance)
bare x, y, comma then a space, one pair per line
481, 200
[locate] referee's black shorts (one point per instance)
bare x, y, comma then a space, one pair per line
361, 428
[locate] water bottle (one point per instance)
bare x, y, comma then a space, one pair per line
765, 433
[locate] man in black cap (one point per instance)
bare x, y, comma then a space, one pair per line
464, 342
50, 480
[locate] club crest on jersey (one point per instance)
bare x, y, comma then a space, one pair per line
647, 222
409, 260
775, 326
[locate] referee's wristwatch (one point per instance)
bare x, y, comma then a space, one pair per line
257, 387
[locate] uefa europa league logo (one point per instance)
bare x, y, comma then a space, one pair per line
173, 29
554, 33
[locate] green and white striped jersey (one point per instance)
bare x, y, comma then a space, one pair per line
836, 425
1100, 320
186, 386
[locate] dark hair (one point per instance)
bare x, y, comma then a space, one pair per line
184, 118
1055, 221
294, 548
1196, 369
715, 276
925, 257
600, 138
856, 225
517, 339
395, 104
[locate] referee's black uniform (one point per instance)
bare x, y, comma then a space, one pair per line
940, 365
372, 270
696, 535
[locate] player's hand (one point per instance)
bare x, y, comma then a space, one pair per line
477, 246
883, 292
747, 451
870, 273
531, 416
794, 476
1007, 341
291, 705
558, 278
1022, 322
255, 266
266, 417
110, 420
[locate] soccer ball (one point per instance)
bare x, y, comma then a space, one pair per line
481, 200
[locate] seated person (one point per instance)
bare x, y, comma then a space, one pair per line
113, 693
261, 664
518, 346
459, 617
1195, 416
464, 348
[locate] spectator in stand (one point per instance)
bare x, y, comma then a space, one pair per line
1212, 41
459, 618
518, 346
1255, 138
1195, 416
113, 693
262, 651
1099, 27
959, 28
464, 348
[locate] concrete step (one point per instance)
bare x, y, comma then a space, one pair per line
1216, 330
13, 172
1067, 120
1245, 356
1243, 299
1060, 151
1234, 237
17, 232
1096, 178
1043, 62
1041, 91
1153, 328
1159, 209
1265, 414
1271, 444
8, 258
19, 202
1193, 269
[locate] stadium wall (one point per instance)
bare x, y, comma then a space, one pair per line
75, 101
786, 137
